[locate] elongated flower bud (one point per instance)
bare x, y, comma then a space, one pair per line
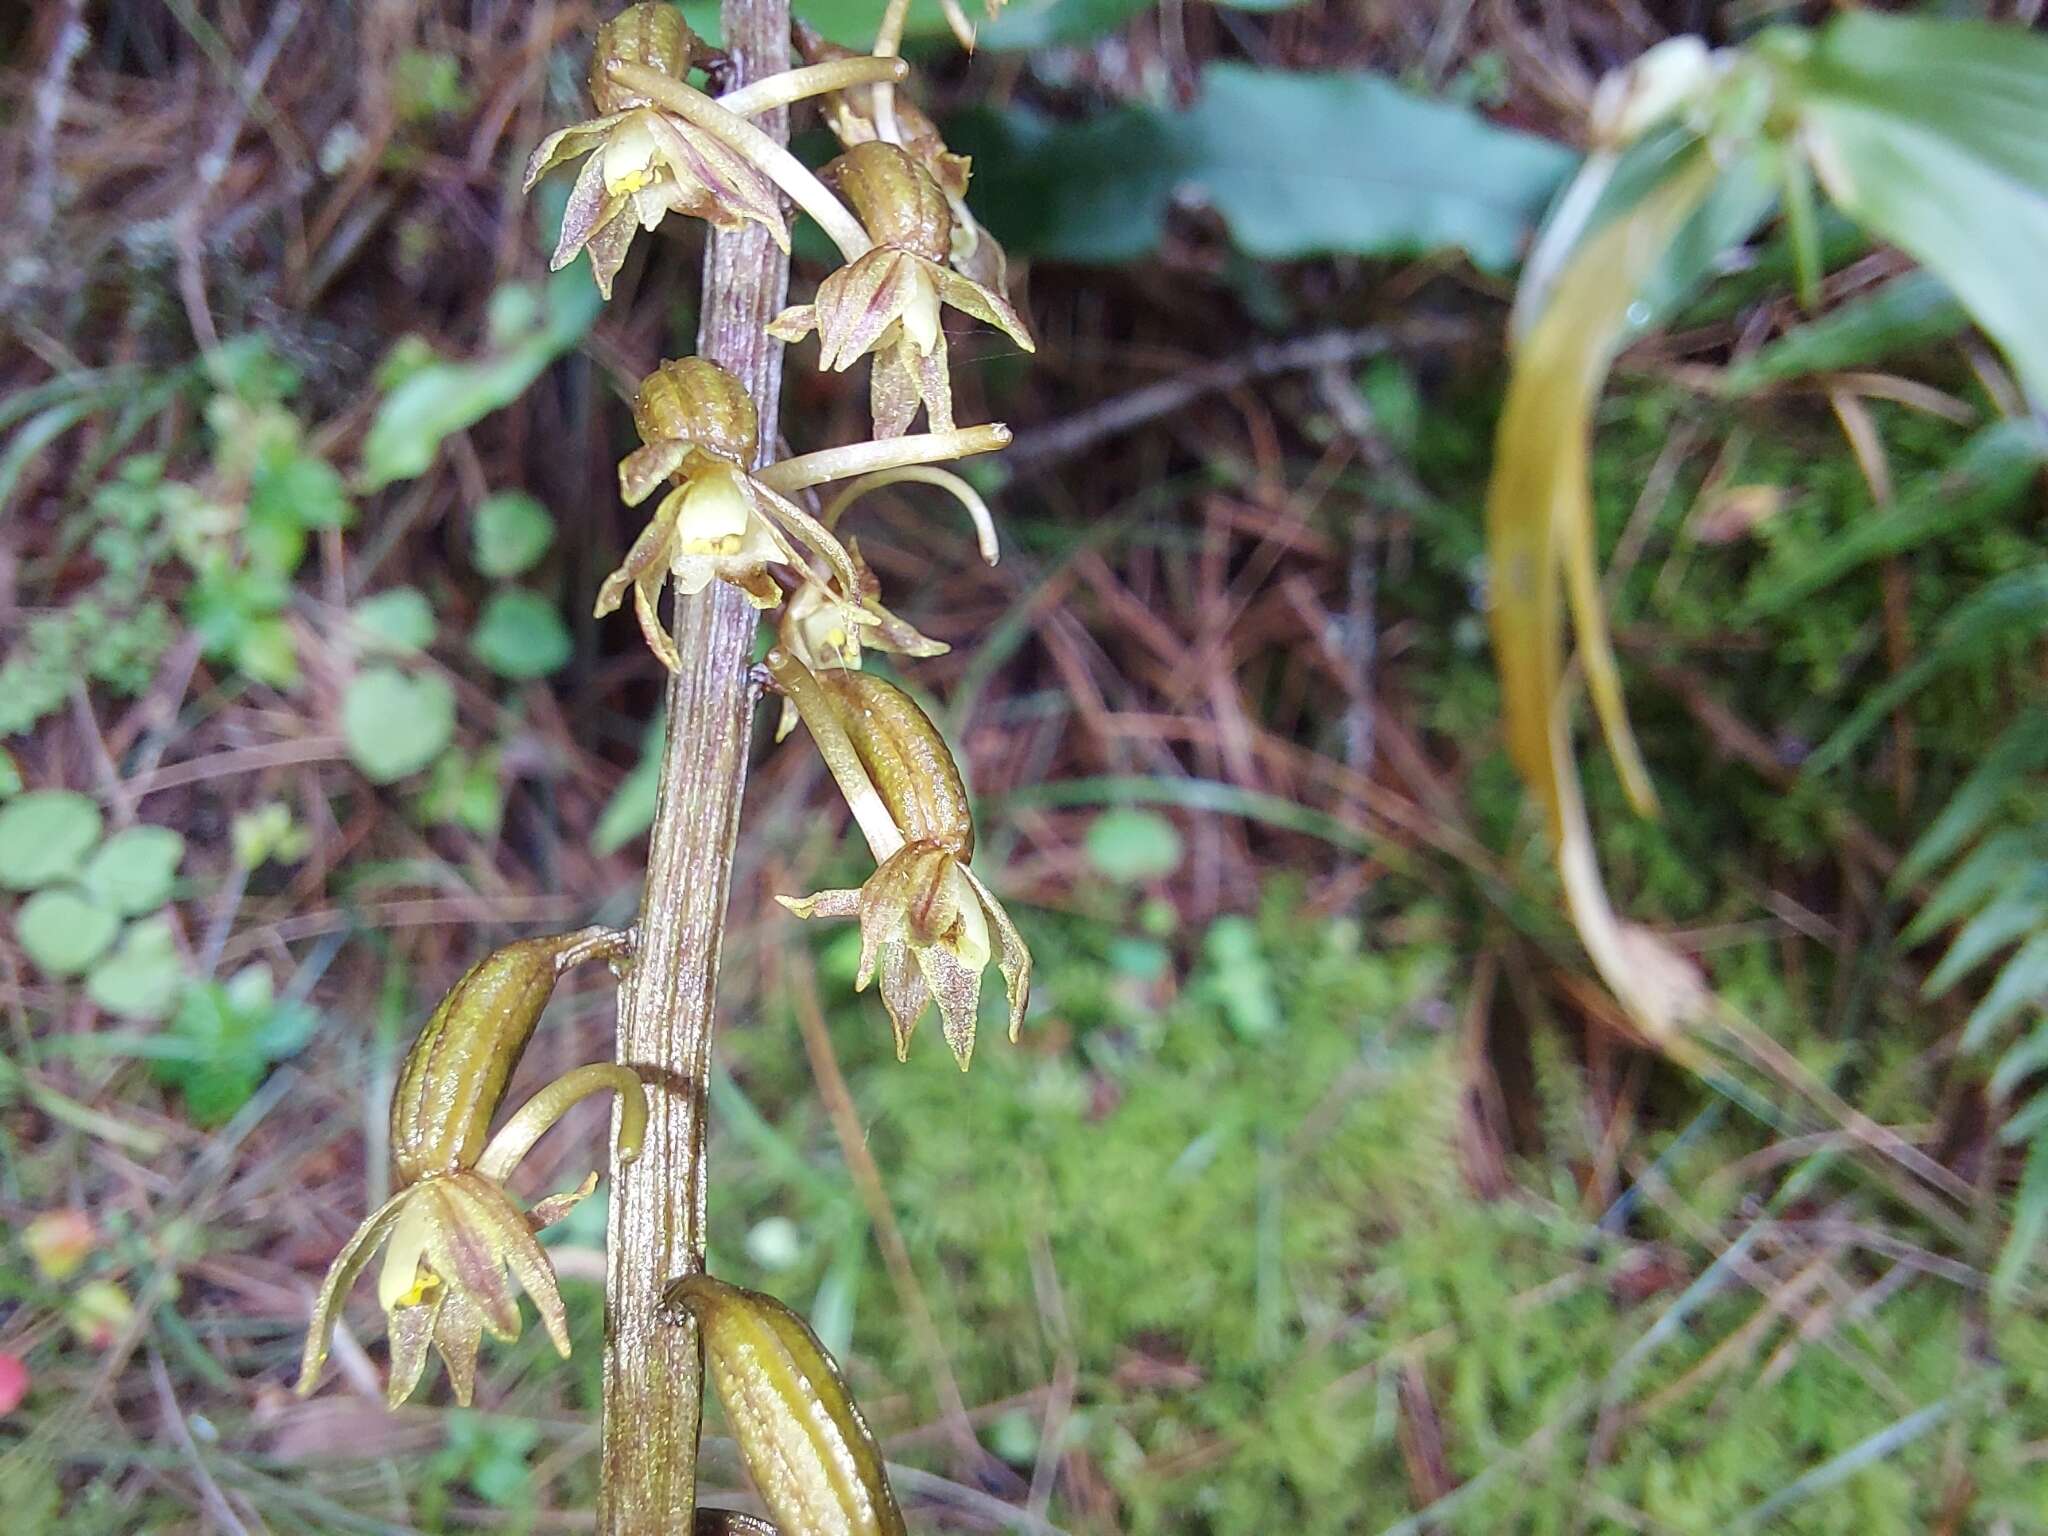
456, 1072
906, 757
651, 34
896, 199
811, 1454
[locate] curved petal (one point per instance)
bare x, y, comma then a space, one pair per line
514, 1244
934, 384
839, 903
347, 1267
893, 392
564, 145
465, 1246
794, 323
649, 555
859, 302
645, 592
642, 470
458, 1335
409, 1331
773, 506
585, 210
969, 297
957, 988
1012, 958
904, 994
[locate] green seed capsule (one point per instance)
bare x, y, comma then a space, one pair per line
810, 1453
907, 759
457, 1070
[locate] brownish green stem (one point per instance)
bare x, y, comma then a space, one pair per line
653, 1372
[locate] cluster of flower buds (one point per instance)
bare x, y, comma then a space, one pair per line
451, 1231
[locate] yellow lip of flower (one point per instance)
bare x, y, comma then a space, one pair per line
451, 1234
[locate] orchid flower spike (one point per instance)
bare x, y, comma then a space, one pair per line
887, 302
928, 925
451, 1231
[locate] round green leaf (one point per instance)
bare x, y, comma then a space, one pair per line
520, 635
395, 725
133, 870
142, 978
400, 622
1132, 845
63, 930
44, 836
511, 532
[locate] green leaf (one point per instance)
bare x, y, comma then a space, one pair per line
224, 1038
1995, 468
2017, 910
399, 622
441, 398
465, 792
1935, 135
2021, 749
1241, 977
850, 23
2022, 980
299, 491
1908, 312
520, 635
1991, 865
134, 870
45, 836
394, 724
1028, 25
10, 775
1415, 176
142, 977
2029, 1222
2007, 611
63, 930
511, 532
1132, 845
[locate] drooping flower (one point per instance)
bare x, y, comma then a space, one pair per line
725, 522
644, 163
451, 1232
928, 925
887, 302
698, 427
851, 113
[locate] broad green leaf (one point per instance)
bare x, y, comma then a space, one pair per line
1935, 135
141, 979
441, 398
511, 531
465, 792
45, 836
520, 635
1414, 176
133, 871
1027, 25
399, 622
394, 724
224, 1038
1133, 845
1908, 312
64, 929
849, 23
1995, 468
301, 491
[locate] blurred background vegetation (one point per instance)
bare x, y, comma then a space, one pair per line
1326, 1192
